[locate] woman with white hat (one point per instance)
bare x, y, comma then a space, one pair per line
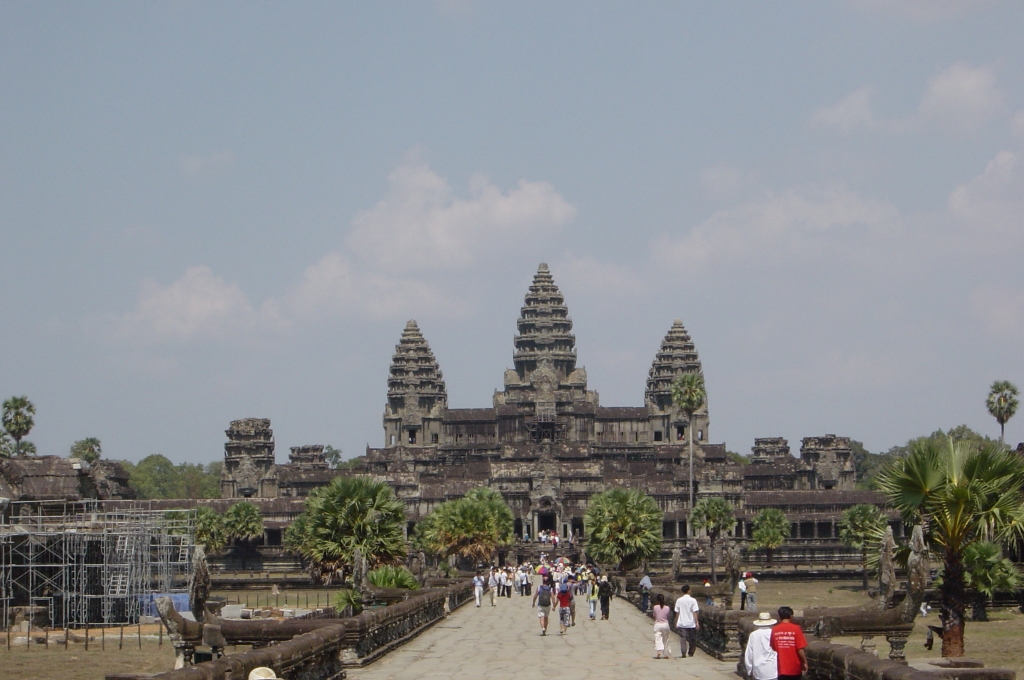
760, 659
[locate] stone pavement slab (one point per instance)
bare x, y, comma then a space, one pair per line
504, 642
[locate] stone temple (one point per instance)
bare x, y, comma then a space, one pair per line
547, 444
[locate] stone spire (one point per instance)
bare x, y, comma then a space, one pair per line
544, 338
677, 356
415, 381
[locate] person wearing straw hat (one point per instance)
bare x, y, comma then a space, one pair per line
759, 658
262, 673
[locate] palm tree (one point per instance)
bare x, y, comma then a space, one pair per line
986, 571
858, 527
392, 576
623, 527
17, 419
771, 529
961, 495
243, 522
714, 515
349, 514
209, 529
88, 449
689, 394
1002, 403
470, 528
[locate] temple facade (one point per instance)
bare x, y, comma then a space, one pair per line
547, 444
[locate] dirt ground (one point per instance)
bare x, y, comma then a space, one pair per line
77, 664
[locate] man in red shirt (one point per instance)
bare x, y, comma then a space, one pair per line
789, 642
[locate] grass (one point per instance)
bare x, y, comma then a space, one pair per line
77, 664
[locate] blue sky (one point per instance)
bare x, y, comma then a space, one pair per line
217, 211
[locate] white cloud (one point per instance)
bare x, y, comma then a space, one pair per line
960, 99
212, 164
199, 305
786, 223
334, 286
1000, 309
724, 182
420, 225
993, 202
852, 112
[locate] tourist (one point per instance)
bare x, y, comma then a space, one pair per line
542, 601
645, 591
604, 593
493, 583
564, 610
510, 580
709, 599
592, 596
573, 591
759, 658
743, 592
661, 628
751, 583
478, 587
789, 642
526, 536
687, 621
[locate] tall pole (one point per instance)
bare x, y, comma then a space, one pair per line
689, 429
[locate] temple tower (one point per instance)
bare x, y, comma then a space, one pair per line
417, 397
545, 388
248, 458
676, 356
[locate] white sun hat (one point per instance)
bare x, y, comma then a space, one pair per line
262, 673
764, 619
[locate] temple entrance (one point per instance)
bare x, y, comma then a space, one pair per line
546, 521
517, 528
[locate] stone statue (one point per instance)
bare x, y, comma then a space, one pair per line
917, 571
359, 582
677, 562
199, 583
731, 559
886, 570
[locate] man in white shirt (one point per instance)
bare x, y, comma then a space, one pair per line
478, 587
687, 620
645, 592
760, 659
743, 592
492, 585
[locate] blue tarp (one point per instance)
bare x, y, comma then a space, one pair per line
148, 603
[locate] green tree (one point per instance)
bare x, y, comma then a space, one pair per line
858, 527
961, 495
689, 394
243, 523
1002, 403
88, 449
7, 446
332, 456
623, 527
987, 571
771, 529
349, 514
199, 481
392, 576
714, 515
155, 477
17, 419
471, 528
209, 528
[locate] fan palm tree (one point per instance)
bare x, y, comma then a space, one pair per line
858, 527
470, 528
349, 514
243, 523
1002, 403
986, 571
18, 420
392, 576
623, 527
88, 449
209, 529
689, 394
771, 529
961, 495
714, 515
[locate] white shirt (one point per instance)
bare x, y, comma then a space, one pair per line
645, 582
743, 586
760, 659
685, 608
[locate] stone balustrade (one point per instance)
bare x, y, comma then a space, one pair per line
319, 649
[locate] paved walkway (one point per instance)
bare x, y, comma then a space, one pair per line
495, 643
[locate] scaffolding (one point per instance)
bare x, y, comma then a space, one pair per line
80, 563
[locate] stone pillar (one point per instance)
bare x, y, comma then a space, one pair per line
897, 645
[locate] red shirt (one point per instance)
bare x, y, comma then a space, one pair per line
786, 639
564, 599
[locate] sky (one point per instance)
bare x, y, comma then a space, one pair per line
213, 211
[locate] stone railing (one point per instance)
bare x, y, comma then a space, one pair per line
314, 649
826, 661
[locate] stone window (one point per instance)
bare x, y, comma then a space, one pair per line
412, 436
392, 440
433, 438
657, 435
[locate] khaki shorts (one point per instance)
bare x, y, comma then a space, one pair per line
543, 611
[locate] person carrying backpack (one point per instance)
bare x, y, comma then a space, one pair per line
542, 601
604, 594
